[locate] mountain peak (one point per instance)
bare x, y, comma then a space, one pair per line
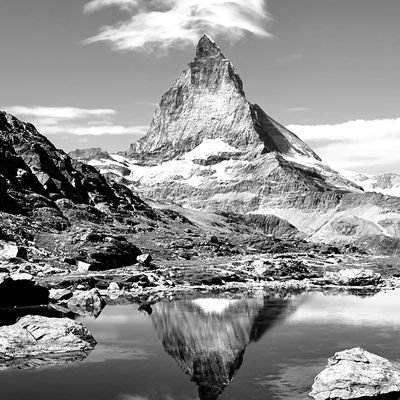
207, 101
207, 48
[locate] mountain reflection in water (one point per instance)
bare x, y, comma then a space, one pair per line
208, 337
141, 356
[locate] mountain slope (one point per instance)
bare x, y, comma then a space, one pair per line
63, 212
209, 148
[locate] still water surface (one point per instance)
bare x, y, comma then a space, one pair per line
261, 348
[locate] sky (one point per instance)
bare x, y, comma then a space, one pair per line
90, 73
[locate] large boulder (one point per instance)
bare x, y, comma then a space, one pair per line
103, 250
356, 374
11, 250
46, 340
353, 277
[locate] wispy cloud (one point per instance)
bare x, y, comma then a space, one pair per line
290, 58
63, 113
74, 121
97, 130
358, 145
162, 24
95, 5
299, 109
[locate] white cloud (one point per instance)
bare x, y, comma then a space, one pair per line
98, 130
162, 24
95, 5
360, 145
59, 112
74, 121
299, 109
289, 59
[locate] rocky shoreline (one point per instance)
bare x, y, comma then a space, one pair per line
47, 335
147, 281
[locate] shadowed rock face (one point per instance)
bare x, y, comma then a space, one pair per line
33, 173
208, 337
22, 293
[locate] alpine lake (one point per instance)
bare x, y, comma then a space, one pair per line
261, 347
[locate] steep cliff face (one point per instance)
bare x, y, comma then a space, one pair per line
208, 102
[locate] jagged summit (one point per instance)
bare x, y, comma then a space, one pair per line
208, 48
208, 102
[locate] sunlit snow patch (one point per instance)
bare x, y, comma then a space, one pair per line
210, 147
213, 306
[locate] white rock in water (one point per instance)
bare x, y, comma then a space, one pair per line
37, 336
354, 374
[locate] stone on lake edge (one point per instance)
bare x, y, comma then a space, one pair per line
356, 374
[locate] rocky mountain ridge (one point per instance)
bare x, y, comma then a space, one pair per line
58, 212
208, 148
208, 102
388, 183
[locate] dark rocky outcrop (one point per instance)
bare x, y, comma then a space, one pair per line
273, 225
85, 155
32, 168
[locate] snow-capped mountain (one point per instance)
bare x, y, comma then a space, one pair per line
388, 184
209, 148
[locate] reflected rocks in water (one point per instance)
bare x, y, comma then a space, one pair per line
9, 316
83, 302
54, 360
21, 293
208, 336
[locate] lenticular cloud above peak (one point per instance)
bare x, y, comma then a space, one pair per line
154, 25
